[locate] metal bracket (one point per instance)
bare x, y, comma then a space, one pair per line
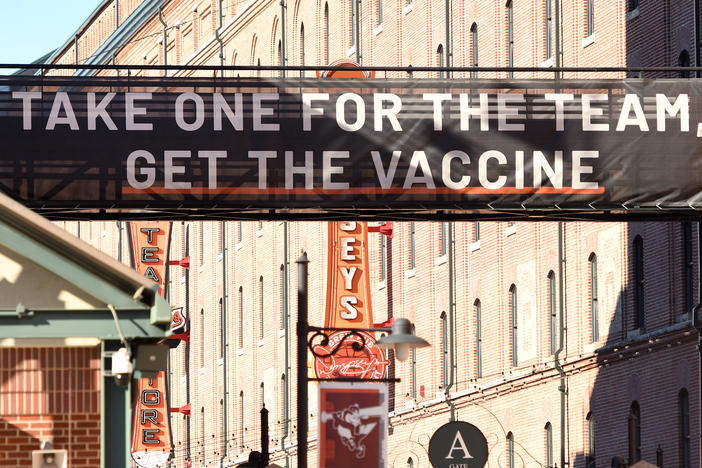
19, 312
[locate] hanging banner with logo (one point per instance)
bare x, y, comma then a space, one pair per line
151, 435
151, 430
353, 425
348, 306
355, 146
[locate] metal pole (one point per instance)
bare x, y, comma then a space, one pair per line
283, 40
302, 329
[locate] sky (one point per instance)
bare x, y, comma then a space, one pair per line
31, 28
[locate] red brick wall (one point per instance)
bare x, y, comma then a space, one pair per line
50, 394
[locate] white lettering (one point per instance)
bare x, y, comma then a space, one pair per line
26, 97
483, 171
348, 274
632, 103
290, 170
437, 99
212, 157
131, 111
260, 112
446, 170
558, 100
100, 110
219, 105
62, 101
149, 172
579, 169
681, 106
390, 113
504, 112
199, 111
588, 112
328, 170
170, 169
341, 112
308, 111
348, 302
419, 160
386, 177
262, 157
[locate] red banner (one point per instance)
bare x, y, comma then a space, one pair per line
352, 425
151, 435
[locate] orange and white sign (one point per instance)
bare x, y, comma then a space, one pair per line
349, 306
150, 249
348, 288
151, 430
151, 435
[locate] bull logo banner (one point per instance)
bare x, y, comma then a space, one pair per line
348, 305
353, 425
151, 435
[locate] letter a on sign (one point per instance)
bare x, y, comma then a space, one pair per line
458, 444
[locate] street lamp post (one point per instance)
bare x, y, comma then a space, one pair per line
401, 339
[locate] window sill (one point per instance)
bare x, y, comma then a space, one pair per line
220, 256
382, 285
633, 334
201, 268
240, 352
630, 15
474, 246
588, 40
378, 29
410, 273
220, 361
201, 371
239, 246
281, 333
259, 233
350, 51
182, 279
104, 233
510, 230
441, 260
407, 8
548, 63
183, 379
260, 342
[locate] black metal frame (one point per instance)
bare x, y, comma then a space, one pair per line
355, 345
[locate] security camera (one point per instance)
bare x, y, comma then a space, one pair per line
122, 367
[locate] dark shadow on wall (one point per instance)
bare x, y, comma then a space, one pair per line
648, 360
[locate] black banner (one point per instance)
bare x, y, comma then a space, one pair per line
357, 147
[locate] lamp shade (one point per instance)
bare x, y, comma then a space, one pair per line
401, 338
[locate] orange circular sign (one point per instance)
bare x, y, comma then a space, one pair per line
367, 363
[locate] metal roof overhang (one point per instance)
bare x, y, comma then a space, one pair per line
142, 313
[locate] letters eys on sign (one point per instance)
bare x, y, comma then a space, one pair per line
458, 444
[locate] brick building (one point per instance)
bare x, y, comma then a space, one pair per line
628, 362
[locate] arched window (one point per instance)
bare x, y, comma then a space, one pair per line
552, 312
326, 34
684, 61
240, 232
633, 5
410, 461
241, 420
413, 370
688, 266
281, 298
260, 307
263, 395
548, 436
352, 22
222, 329
302, 47
412, 235
444, 350
476, 231
202, 428
281, 59
440, 59
474, 47
510, 450
589, 18
513, 316
380, 12
594, 325
201, 243
202, 338
684, 428
547, 28
241, 317
510, 37
638, 283
443, 238
258, 64
478, 339
383, 259
634, 433
590, 459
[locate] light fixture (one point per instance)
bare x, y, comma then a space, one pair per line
401, 339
